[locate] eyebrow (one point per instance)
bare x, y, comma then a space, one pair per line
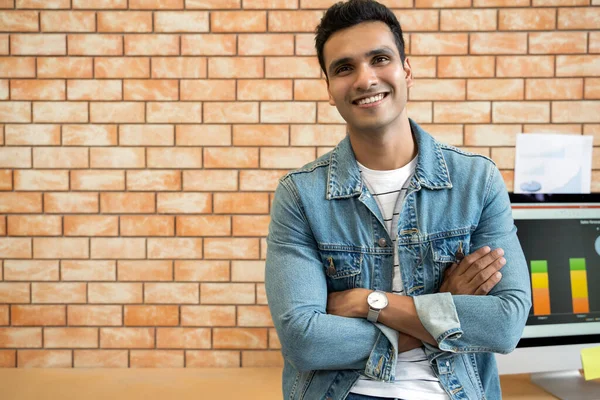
382, 50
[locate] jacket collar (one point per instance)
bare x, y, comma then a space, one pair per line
431, 171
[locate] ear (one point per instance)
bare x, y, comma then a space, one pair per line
408, 71
331, 100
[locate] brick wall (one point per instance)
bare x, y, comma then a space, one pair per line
142, 141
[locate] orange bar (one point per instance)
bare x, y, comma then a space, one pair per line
541, 301
581, 305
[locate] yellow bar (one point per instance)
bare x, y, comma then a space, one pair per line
539, 281
579, 287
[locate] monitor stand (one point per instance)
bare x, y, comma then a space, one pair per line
567, 385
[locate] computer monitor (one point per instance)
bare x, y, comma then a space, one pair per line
560, 237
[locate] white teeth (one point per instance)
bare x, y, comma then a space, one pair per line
370, 99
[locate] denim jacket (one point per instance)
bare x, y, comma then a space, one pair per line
326, 235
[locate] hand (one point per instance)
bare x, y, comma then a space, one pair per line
350, 303
407, 342
476, 274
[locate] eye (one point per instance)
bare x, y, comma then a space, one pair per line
380, 59
342, 69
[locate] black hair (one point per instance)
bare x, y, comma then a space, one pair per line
344, 15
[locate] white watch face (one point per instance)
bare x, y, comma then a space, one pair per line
377, 300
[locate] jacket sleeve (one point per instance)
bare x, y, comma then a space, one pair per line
492, 323
296, 290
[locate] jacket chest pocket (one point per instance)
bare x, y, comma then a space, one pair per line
446, 252
342, 269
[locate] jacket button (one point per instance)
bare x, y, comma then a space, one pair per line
382, 242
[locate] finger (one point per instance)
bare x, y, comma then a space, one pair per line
482, 263
471, 258
488, 285
486, 273
450, 270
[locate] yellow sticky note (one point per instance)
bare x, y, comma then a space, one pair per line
590, 359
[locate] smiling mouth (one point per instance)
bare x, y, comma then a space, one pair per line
370, 101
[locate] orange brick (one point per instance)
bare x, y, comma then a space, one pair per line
156, 4
174, 21
38, 44
126, 338
37, 90
44, 359
498, 43
294, 21
230, 157
183, 338
537, 3
150, 225
19, 21
255, 316
310, 89
439, 43
151, 90
184, 203
97, 180
240, 203
151, 315
554, 89
592, 88
211, 4
70, 337
521, 111
594, 42
146, 135
274, 342
251, 225
287, 158
208, 316
6, 177
122, 67
260, 180
438, 89
265, 44
103, 270
465, 67
420, 111
43, 3
60, 157
504, 157
64, 112
30, 270
100, 358
157, 359
118, 248
575, 111
41, 180
169, 112
94, 315
231, 112
4, 89
578, 18
153, 180
58, 292
292, 67
117, 203
20, 202
327, 114
34, 225
209, 89
199, 271
95, 45
278, 4
14, 292
495, 89
227, 293
60, 248
116, 112
491, 135
15, 157
527, 19
68, 21
16, 111
264, 89
89, 135
125, 21
239, 338
238, 21
179, 67
115, 157
15, 248
585, 65
417, 20
442, 3
64, 67
501, 3
174, 157
18, 67
92, 4
462, 20
557, 42
305, 45
130, 270
120, 293
462, 112
208, 44
238, 248
260, 135
38, 315
91, 225
210, 180
171, 293
66, 203
178, 248
203, 226
553, 128
525, 66
287, 112
255, 359
146, 45
212, 359
235, 67
248, 271
203, 135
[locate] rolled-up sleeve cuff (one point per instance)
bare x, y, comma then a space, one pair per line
381, 364
438, 315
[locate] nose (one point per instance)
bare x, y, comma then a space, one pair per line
366, 77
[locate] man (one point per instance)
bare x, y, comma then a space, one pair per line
383, 255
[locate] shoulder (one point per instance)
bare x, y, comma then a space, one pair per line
312, 169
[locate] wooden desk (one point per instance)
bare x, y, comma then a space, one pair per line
180, 384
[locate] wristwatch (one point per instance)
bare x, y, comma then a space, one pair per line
377, 301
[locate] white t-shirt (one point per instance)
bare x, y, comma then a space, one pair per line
415, 379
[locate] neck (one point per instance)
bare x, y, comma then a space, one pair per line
386, 150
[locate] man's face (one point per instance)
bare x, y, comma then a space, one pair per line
366, 79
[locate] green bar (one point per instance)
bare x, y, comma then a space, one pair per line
539, 266
577, 264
